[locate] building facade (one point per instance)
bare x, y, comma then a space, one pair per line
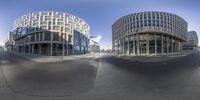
51, 33
192, 41
10, 43
147, 33
95, 44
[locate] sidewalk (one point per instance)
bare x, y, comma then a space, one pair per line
47, 59
153, 58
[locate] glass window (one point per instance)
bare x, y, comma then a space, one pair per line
151, 44
165, 43
170, 44
149, 23
32, 38
69, 38
55, 27
55, 36
142, 44
159, 44
41, 36
43, 27
43, 23
47, 36
37, 37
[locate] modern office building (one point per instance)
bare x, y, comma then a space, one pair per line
192, 41
51, 33
10, 43
95, 44
147, 33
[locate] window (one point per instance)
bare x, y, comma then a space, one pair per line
43, 27
55, 36
149, 23
55, 27
43, 23
151, 44
47, 36
37, 37
145, 22
159, 44
165, 43
41, 36
32, 38
69, 38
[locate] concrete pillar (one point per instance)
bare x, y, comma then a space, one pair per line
35, 37
167, 44
39, 37
123, 46
63, 49
134, 44
33, 48
147, 44
128, 46
181, 46
51, 48
60, 36
162, 47
51, 45
67, 45
118, 47
40, 49
63, 43
43, 36
138, 46
172, 45
67, 48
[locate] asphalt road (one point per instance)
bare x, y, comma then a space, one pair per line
104, 78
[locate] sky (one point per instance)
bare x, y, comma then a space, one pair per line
99, 14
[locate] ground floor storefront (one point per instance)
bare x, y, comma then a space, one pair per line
189, 47
53, 49
147, 43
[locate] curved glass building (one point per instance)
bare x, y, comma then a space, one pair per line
51, 33
147, 33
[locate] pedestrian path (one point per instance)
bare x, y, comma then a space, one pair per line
48, 59
154, 58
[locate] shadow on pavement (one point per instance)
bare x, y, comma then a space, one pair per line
50, 79
153, 68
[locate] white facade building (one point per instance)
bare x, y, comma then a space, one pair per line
51, 33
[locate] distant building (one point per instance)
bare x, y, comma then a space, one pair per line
1, 48
95, 43
49, 33
10, 43
192, 41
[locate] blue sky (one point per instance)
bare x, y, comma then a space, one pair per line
99, 14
